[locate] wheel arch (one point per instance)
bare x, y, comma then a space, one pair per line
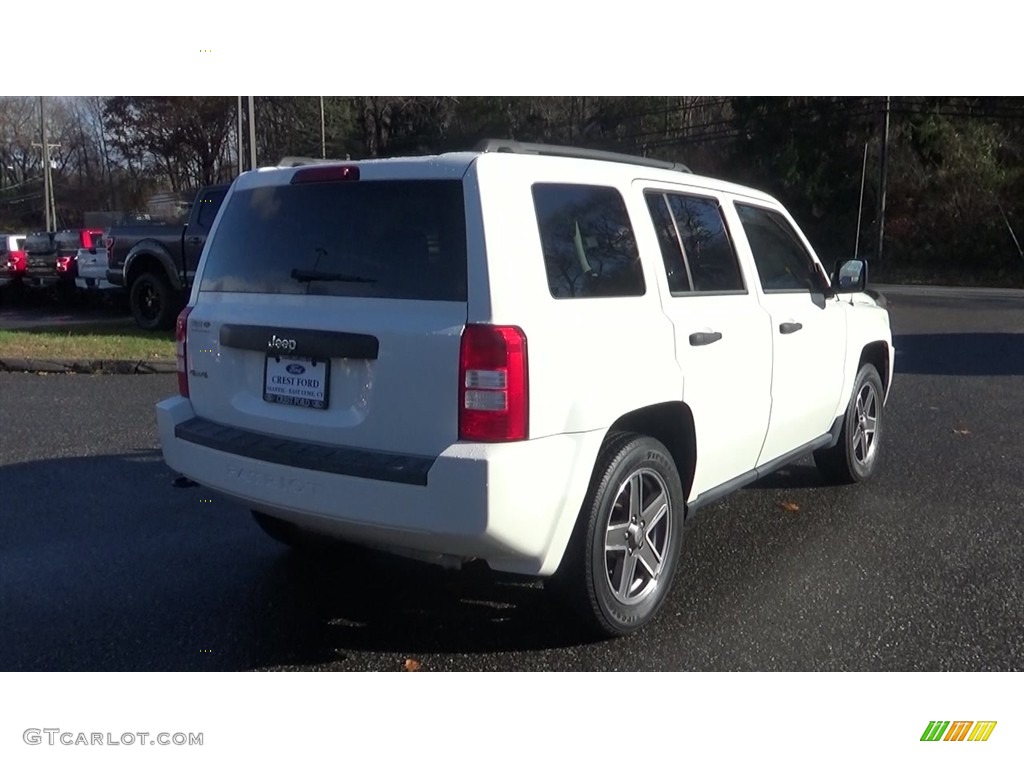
876, 353
147, 258
671, 423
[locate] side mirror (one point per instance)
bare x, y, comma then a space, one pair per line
850, 276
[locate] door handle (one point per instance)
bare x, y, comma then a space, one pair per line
193, 240
704, 337
790, 327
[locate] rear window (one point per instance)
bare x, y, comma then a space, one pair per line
376, 239
92, 238
210, 204
69, 241
38, 244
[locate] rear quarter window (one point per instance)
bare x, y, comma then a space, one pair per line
587, 241
376, 239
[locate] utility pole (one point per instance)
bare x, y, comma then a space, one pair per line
46, 164
323, 134
53, 198
860, 204
883, 171
49, 203
252, 136
239, 135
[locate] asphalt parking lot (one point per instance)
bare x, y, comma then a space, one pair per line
105, 566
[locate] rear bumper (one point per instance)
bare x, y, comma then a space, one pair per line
40, 278
93, 284
513, 505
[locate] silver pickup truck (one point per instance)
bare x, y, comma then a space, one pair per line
92, 270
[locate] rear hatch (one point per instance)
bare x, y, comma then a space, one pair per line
331, 311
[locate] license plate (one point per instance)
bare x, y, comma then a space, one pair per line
301, 381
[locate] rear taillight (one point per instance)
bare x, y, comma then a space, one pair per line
63, 263
17, 261
493, 384
181, 350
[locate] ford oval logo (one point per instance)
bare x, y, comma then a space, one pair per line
295, 368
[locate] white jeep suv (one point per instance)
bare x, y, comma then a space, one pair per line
542, 357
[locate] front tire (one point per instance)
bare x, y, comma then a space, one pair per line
855, 457
624, 552
153, 302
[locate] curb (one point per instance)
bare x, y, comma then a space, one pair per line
948, 291
28, 365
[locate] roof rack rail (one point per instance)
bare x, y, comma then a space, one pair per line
526, 148
292, 162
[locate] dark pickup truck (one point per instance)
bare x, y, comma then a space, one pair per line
156, 262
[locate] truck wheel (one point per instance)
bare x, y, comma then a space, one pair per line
624, 551
855, 456
153, 302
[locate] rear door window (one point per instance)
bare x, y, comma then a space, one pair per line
379, 239
695, 243
588, 242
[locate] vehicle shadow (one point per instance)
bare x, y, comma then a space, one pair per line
960, 354
114, 569
375, 603
792, 476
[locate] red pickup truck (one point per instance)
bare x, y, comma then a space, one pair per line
12, 259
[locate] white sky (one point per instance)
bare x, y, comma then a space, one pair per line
531, 47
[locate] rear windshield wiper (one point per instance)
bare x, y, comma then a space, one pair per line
310, 275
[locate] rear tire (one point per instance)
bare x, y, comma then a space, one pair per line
154, 303
855, 457
624, 551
